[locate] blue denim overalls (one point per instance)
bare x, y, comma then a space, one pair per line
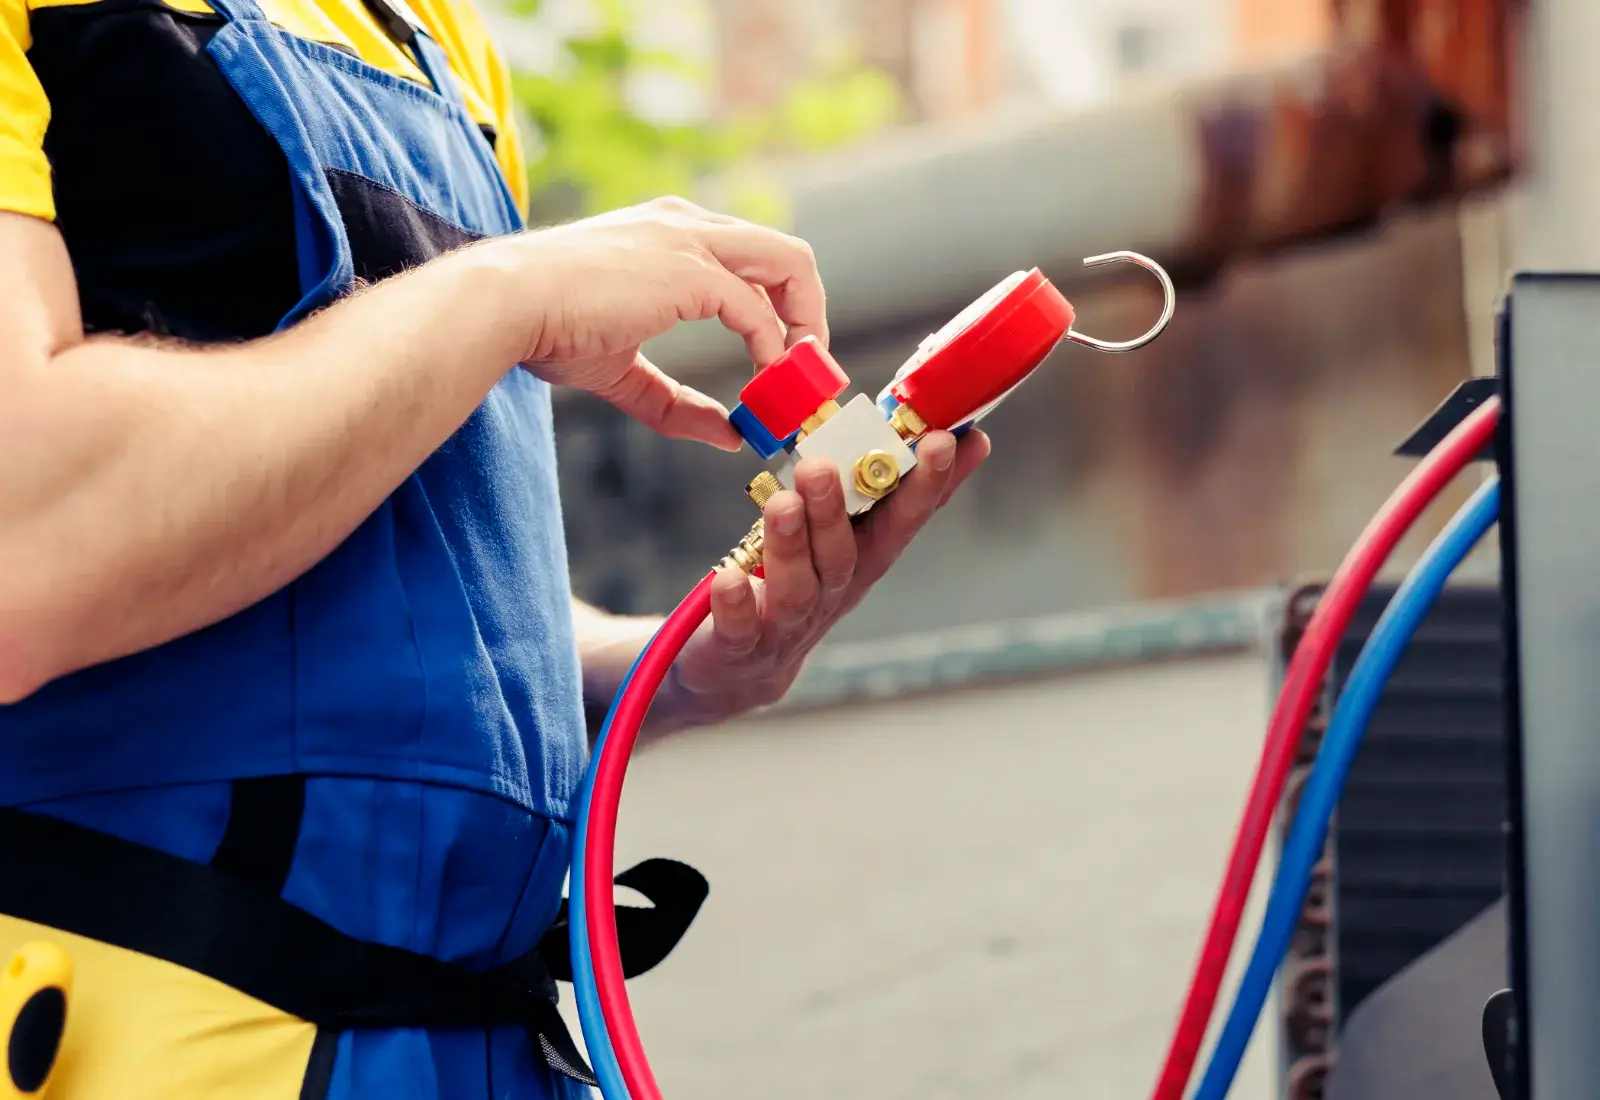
422, 681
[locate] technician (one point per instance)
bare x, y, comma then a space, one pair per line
286, 625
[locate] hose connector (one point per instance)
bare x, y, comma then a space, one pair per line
765, 486
748, 554
906, 421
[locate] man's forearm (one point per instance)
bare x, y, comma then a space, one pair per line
607, 647
167, 488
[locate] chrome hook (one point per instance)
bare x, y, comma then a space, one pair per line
1170, 304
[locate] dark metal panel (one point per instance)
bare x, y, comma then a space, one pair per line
1549, 344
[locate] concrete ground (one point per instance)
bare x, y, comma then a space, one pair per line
996, 893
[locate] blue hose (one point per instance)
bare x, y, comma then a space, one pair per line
1303, 848
596, 1039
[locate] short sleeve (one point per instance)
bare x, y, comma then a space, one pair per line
24, 115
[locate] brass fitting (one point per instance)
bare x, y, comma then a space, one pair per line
818, 418
876, 474
763, 488
905, 420
748, 554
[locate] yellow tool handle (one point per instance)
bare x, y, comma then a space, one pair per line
34, 989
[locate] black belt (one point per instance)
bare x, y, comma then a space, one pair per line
227, 920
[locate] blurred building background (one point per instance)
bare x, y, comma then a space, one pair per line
1296, 162
1332, 182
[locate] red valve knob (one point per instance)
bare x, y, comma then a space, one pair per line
793, 386
982, 359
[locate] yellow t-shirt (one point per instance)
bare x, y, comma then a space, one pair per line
25, 107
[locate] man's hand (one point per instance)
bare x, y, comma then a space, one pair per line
623, 278
818, 566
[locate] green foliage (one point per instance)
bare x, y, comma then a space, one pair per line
590, 151
819, 114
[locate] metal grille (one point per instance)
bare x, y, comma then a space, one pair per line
1417, 848
1307, 979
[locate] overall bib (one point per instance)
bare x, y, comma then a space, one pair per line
317, 850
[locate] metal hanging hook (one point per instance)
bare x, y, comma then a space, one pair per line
1170, 304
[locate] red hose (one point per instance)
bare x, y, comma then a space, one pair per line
1301, 687
599, 851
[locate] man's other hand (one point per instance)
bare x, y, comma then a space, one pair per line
818, 566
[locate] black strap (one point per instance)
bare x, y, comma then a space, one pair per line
263, 832
392, 18
60, 874
319, 1066
644, 936
240, 933
264, 816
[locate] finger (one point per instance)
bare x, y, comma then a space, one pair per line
761, 290
735, 621
971, 451
893, 524
791, 585
665, 405
792, 301
784, 265
746, 310
833, 539
685, 208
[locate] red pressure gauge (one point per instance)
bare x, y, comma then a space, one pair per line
956, 376
967, 367
988, 349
